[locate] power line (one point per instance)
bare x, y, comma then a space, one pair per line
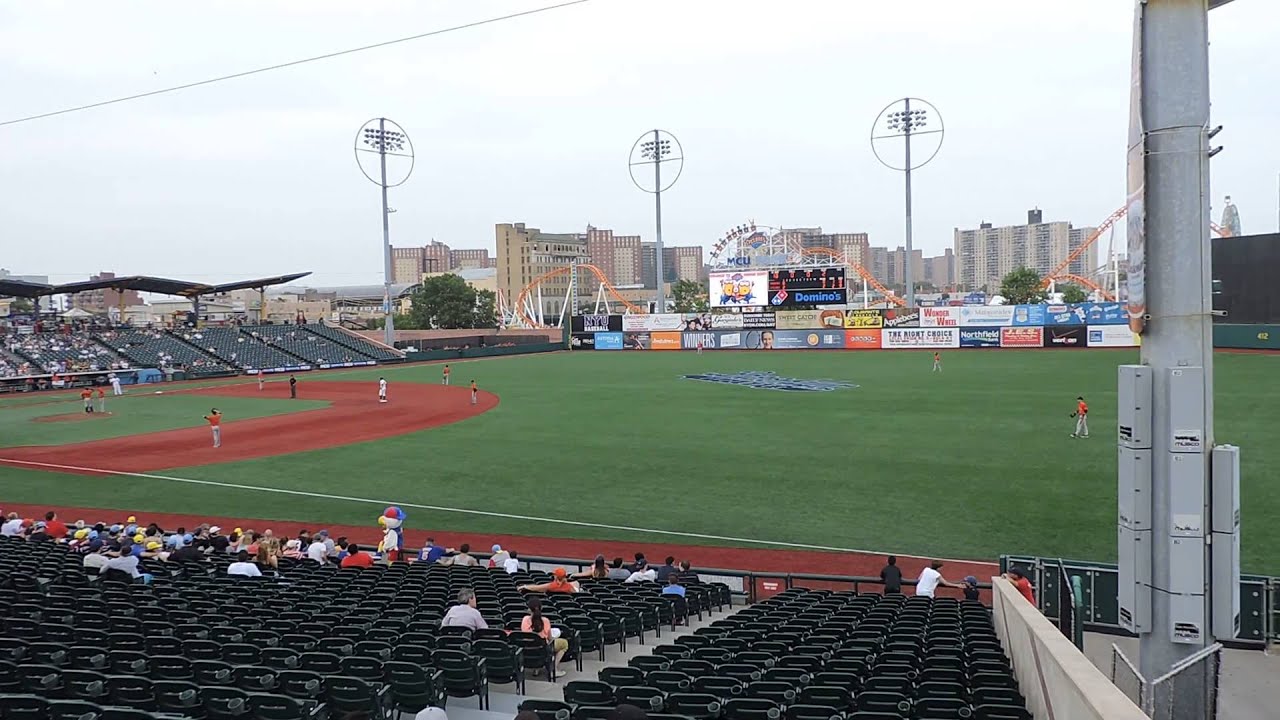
327, 56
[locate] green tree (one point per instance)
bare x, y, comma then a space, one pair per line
689, 296
403, 322
448, 302
1074, 294
22, 306
1022, 287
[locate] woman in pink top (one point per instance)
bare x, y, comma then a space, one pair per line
534, 622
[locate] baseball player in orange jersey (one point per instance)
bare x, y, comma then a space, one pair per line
215, 424
87, 396
102, 400
444, 380
259, 378
473, 392
937, 362
1081, 415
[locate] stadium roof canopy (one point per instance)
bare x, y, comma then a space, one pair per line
24, 289
259, 283
355, 293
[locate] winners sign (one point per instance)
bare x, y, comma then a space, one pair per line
807, 286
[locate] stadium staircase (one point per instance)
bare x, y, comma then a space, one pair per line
357, 342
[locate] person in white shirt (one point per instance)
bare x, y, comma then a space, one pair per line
318, 551
382, 390
127, 563
242, 566
643, 573
512, 564
498, 558
115, 385
930, 579
12, 526
464, 614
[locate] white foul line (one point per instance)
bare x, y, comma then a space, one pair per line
465, 511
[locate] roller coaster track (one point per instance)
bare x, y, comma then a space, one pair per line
523, 299
840, 259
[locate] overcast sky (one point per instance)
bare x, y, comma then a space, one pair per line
531, 121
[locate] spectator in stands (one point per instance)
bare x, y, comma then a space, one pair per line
667, 569
243, 567
642, 573
891, 576
617, 571
96, 557
930, 579
54, 527
187, 553
431, 552
498, 556
673, 586
39, 533
512, 565
534, 622
970, 587
597, 571
356, 559
125, 562
464, 614
464, 558
688, 576
559, 583
218, 543
317, 551
330, 547
12, 526
304, 539
639, 562
1020, 581
293, 549
431, 713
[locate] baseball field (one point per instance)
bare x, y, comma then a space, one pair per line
622, 448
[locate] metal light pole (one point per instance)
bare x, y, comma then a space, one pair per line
906, 119
382, 138
654, 148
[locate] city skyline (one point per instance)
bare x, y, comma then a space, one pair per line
254, 176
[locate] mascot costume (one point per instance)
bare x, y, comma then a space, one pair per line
392, 524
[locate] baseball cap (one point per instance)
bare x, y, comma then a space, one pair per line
153, 545
131, 519
95, 544
40, 525
214, 530
81, 534
115, 529
79, 524
559, 572
139, 538
496, 548
970, 580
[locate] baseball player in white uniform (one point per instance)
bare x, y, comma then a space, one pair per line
382, 390
115, 384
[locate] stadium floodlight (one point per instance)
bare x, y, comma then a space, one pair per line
905, 120
383, 138
655, 148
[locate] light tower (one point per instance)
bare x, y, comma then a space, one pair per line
383, 138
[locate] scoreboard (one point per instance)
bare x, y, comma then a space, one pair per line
807, 286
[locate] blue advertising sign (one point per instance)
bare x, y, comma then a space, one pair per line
691, 340
1028, 315
980, 337
608, 341
1064, 314
1106, 313
975, 298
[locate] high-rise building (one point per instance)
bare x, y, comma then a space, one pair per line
409, 263
526, 254
679, 262
101, 300
878, 263
852, 245
896, 270
469, 258
986, 254
940, 271
617, 256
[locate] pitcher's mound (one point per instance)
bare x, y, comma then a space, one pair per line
73, 417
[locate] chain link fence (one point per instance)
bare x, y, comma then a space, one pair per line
1125, 676
1203, 669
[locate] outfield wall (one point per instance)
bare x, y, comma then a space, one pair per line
1098, 325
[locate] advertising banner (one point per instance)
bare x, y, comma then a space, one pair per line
808, 319
690, 340
609, 341
920, 338
986, 315
596, 323
1066, 336
1063, 315
940, 317
695, 321
653, 323
758, 321
726, 321
795, 339
975, 298
810, 286
582, 341
901, 318
1112, 336
1028, 315
664, 340
739, 289
1105, 313
980, 338
862, 339
1136, 186
730, 340
1022, 337
863, 319
636, 341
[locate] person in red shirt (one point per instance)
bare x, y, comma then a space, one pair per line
1020, 582
1081, 414
937, 362
54, 527
215, 424
356, 559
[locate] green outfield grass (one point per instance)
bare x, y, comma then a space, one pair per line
969, 463
139, 411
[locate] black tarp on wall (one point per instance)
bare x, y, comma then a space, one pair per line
1248, 268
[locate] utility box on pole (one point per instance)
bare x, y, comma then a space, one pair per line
1133, 523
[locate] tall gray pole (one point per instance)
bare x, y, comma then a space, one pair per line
657, 209
1175, 112
389, 328
906, 271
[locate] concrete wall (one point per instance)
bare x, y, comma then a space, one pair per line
1058, 681
497, 335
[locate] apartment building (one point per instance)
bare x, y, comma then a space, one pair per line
619, 257
986, 254
525, 254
